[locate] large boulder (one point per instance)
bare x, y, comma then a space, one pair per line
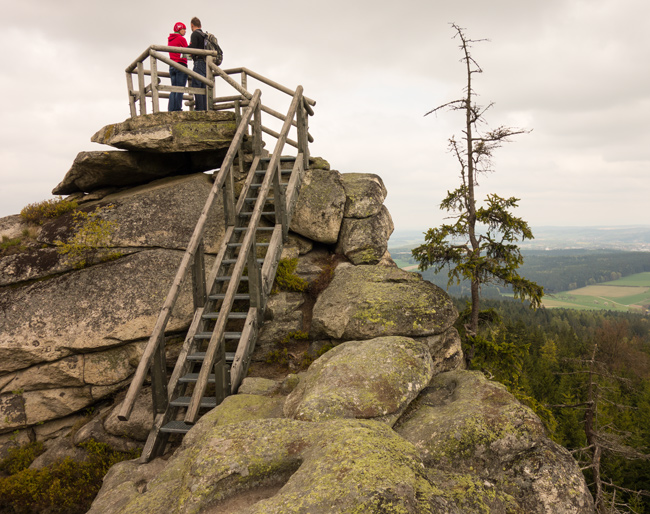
319, 210
165, 132
362, 379
365, 240
365, 193
93, 309
96, 170
363, 302
476, 439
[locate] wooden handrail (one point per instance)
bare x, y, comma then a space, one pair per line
174, 292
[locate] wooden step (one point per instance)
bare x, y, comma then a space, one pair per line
176, 427
282, 172
259, 229
238, 245
235, 336
286, 158
232, 315
191, 378
248, 214
233, 261
221, 296
228, 279
200, 356
207, 402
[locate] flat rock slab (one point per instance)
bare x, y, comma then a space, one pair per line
362, 379
96, 170
363, 302
169, 132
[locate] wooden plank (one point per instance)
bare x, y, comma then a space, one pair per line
271, 83
143, 104
293, 187
230, 81
129, 86
239, 366
159, 379
132, 67
303, 135
249, 180
199, 293
271, 260
182, 68
154, 84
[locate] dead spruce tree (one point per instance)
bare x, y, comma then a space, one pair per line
490, 255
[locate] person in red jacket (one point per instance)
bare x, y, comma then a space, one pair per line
177, 38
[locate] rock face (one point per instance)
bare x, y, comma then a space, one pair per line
385, 420
95, 170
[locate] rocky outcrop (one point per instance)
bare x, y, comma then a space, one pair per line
384, 419
464, 445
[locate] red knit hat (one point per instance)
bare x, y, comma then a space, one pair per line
179, 26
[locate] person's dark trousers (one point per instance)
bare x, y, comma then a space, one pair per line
176, 99
199, 100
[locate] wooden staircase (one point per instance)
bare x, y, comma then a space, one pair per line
229, 302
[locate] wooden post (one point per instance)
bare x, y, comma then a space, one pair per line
303, 132
129, 86
229, 206
159, 378
209, 91
279, 202
143, 98
154, 83
257, 129
254, 278
198, 277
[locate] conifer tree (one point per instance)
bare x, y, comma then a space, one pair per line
480, 245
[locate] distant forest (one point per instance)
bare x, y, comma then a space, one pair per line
554, 270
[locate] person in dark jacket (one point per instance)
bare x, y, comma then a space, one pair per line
177, 38
197, 40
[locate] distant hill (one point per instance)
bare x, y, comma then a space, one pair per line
630, 238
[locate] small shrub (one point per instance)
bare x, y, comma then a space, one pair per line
325, 277
90, 233
65, 486
20, 458
279, 356
286, 279
39, 212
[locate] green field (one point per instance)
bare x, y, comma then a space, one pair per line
628, 294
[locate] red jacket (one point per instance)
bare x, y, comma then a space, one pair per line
176, 39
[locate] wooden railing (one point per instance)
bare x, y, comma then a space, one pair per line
152, 362
155, 90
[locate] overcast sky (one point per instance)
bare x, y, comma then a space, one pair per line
575, 72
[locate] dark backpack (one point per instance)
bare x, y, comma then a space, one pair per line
210, 43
